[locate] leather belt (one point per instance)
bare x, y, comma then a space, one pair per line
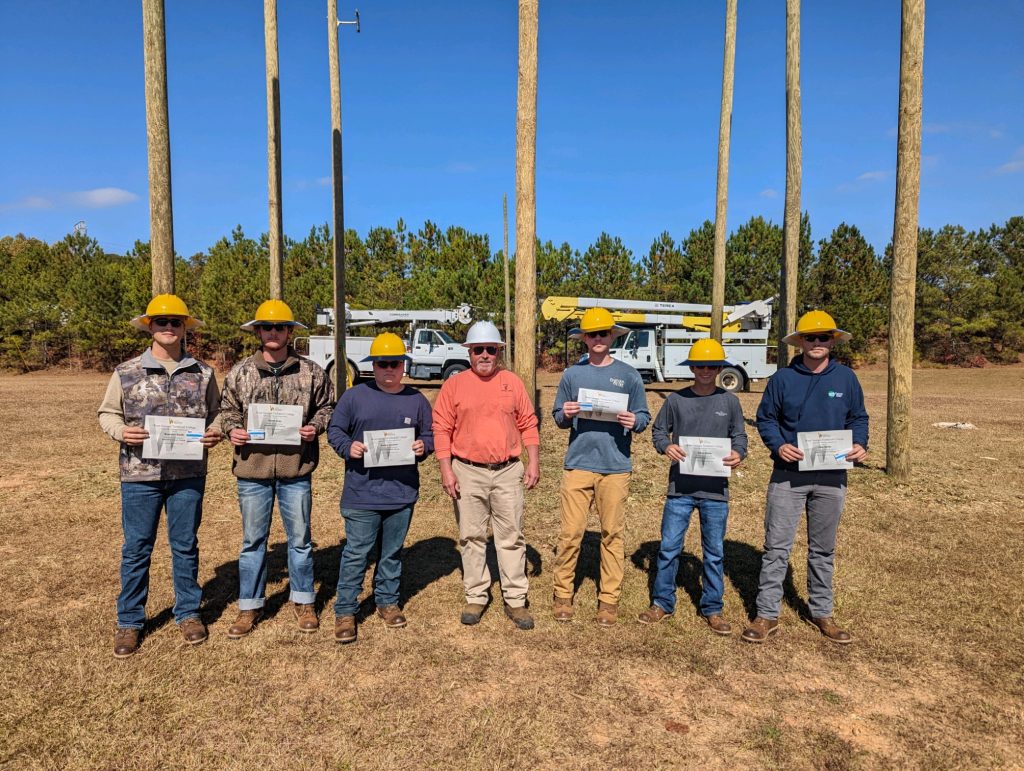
488, 466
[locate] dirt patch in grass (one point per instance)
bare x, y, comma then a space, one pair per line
928, 579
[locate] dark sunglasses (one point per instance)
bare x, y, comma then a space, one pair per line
163, 321
705, 366
817, 338
274, 327
601, 333
388, 364
492, 350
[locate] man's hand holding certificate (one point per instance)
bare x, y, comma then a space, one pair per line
173, 438
602, 405
274, 423
705, 456
825, 450
389, 447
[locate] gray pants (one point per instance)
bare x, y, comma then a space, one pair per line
821, 494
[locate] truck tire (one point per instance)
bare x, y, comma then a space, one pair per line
454, 369
351, 368
731, 380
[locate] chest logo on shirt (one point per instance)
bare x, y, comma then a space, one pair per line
617, 382
407, 421
835, 394
506, 387
721, 414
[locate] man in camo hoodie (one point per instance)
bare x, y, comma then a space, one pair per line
275, 374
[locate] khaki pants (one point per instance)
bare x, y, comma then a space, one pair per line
608, 493
495, 498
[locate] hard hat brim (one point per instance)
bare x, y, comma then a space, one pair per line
702, 363
498, 343
387, 358
793, 338
142, 322
579, 332
250, 326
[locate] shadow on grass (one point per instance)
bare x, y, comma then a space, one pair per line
589, 563
646, 559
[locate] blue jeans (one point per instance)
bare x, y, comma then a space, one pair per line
256, 500
674, 522
362, 528
141, 504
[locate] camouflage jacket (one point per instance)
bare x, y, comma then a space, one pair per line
149, 390
300, 381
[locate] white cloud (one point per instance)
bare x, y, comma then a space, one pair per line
459, 167
28, 202
936, 128
101, 197
327, 181
769, 192
872, 176
1013, 166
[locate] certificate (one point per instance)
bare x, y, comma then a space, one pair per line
704, 456
824, 450
274, 423
389, 447
172, 438
601, 405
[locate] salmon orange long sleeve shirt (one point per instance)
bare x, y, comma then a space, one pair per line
485, 420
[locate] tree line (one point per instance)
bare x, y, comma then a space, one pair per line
69, 301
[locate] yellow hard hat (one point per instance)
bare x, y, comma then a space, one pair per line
708, 353
594, 320
165, 305
272, 312
387, 346
816, 321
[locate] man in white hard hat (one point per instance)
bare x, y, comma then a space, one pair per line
482, 420
271, 462
378, 500
163, 382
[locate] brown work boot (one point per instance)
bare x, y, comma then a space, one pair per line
607, 614
245, 623
760, 629
519, 616
718, 624
392, 616
193, 630
652, 615
126, 642
562, 609
305, 617
471, 613
831, 630
345, 629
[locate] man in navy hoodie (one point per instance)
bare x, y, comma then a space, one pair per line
814, 393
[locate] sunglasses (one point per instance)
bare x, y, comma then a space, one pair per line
272, 327
705, 366
601, 333
388, 364
492, 350
163, 321
816, 338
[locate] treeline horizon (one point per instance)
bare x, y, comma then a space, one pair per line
70, 301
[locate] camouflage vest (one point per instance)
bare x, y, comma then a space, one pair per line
149, 390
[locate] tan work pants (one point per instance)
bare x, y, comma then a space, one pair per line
608, 493
495, 498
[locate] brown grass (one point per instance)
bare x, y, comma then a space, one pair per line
929, 580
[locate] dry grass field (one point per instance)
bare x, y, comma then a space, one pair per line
930, 579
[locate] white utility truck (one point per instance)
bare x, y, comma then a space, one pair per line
661, 333
434, 353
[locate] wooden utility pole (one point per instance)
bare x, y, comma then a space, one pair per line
904, 242
722, 195
508, 300
158, 142
274, 149
526, 201
794, 173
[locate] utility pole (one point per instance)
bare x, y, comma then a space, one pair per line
341, 373
508, 302
276, 231
722, 194
904, 242
158, 143
794, 172
526, 200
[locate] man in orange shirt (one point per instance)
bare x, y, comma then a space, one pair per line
482, 419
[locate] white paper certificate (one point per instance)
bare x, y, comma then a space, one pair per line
174, 438
389, 447
601, 405
824, 450
704, 456
274, 423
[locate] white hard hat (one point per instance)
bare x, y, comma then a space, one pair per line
483, 332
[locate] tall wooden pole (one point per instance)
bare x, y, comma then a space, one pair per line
274, 149
722, 195
794, 172
526, 202
158, 142
904, 242
508, 300
340, 357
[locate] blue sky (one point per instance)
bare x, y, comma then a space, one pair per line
627, 116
